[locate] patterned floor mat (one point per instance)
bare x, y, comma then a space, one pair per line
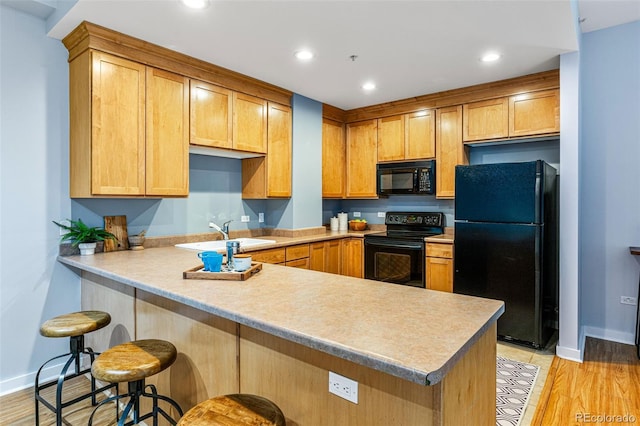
514, 382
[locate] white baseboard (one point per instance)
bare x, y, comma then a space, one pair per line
570, 353
573, 354
49, 373
611, 335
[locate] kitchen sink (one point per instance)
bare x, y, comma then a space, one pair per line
221, 245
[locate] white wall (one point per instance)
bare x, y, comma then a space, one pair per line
33, 191
569, 340
610, 183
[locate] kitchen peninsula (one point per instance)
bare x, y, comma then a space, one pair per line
419, 356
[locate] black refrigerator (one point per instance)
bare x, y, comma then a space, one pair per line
506, 244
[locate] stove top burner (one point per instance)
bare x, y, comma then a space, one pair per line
411, 225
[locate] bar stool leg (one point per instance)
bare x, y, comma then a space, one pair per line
76, 347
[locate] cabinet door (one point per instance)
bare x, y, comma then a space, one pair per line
332, 256
275, 255
391, 138
361, 159
211, 115
333, 159
279, 151
450, 150
420, 135
167, 139
317, 256
298, 263
117, 126
352, 251
486, 120
299, 251
249, 123
439, 274
534, 113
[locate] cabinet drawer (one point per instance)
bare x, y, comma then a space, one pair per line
440, 250
298, 263
276, 255
297, 252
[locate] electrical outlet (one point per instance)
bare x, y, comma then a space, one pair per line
343, 387
381, 214
356, 214
628, 300
245, 218
65, 223
260, 217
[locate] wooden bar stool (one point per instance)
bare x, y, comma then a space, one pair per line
74, 325
133, 362
234, 410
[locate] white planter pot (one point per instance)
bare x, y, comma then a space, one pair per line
87, 249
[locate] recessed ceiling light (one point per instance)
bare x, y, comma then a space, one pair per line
304, 55
368, 86
490, 57
196, 4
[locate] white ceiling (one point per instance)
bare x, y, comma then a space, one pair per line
408, 48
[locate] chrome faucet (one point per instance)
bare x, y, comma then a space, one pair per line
224, 230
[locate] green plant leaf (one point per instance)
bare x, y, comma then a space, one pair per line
78, 232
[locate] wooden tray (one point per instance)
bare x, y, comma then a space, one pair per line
197, 273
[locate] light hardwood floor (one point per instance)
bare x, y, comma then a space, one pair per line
604, 389
607, 383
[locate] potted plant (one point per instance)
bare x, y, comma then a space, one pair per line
83, 236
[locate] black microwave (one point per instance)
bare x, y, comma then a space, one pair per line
415, 177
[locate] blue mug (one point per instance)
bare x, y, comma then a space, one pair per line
212, 261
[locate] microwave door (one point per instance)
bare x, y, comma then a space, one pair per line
396, 181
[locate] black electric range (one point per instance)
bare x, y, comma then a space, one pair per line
397, 255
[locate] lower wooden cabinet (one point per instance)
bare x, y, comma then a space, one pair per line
439, 266
326, 256
297, 256
276, 255
353, 257
340, 256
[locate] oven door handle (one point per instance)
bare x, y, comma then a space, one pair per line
392, 244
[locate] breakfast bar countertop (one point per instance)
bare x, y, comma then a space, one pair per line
412, 333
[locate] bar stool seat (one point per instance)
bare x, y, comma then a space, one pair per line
133, 362
73, 325
234, 410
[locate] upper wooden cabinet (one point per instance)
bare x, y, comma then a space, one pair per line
406, 136
249, 123
420, 135
450, 151
391, 138
534, 113
527, 114
270, 176
486, 120
167, 138
333, 159
361, 159
279, 151
211, 115
128, 128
